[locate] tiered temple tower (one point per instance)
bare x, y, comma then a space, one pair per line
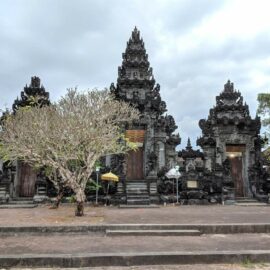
232, 145
32, 95
154, 131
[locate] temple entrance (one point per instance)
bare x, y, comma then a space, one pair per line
134, 159
27, 180
235, 156
135, 164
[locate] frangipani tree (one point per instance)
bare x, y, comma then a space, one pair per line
68, 136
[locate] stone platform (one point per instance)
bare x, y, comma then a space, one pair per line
170, 214
40, 237
83, 250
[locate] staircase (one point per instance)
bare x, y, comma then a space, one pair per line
4, 195
246, 201
153, 232
19, 202
137, 192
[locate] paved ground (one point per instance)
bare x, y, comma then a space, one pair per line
94, 243
71, 244
217, 214
245, 266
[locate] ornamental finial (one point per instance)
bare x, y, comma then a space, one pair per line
188, 144
135, 34
228, 87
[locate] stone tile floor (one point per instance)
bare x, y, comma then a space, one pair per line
167, 267
89, 243
217, 214
42, 215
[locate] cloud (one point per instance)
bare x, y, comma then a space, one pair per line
193, 46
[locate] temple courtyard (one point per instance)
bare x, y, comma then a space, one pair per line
135, 238
170, 214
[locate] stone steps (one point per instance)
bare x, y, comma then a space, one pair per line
12, 206
229, 228
246, 201
137, 260
22, 199
20, 202
4, 195
137, 192
132, 206
138, 196
138, 201
252, 204
153, 232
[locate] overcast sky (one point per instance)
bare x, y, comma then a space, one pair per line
194, 47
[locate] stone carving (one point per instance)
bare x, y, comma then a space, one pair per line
229, 125
140, 90
192, 180
152, 162
32, 95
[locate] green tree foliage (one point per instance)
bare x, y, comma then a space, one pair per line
264, 108
264, 111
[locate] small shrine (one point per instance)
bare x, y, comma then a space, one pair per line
191, 164
22, 180
232, 146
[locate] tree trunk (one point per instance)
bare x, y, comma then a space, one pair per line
79, 211
58, 199
80, 198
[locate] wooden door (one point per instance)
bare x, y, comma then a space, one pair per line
135, 164
27, 180
236, 172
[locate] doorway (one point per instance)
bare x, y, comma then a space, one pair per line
235, 156
27, 182
135, 164
134, 159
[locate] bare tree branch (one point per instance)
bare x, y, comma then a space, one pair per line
68, 136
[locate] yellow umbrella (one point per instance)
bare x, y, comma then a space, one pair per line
109, 177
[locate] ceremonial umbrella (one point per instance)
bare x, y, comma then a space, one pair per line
174, 174
109, 177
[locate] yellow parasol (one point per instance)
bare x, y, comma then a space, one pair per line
109, 177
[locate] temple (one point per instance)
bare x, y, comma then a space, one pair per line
228, 168
153, 133
232, 146
19, 180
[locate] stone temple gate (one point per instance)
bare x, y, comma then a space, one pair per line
232, 145
153, 132
228, 167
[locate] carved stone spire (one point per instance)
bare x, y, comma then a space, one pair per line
136, 83
32, 95
189, 152
229, 111
135, 66
228, 87
231, 101
188, 147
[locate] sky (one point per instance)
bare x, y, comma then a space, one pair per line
194, 47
